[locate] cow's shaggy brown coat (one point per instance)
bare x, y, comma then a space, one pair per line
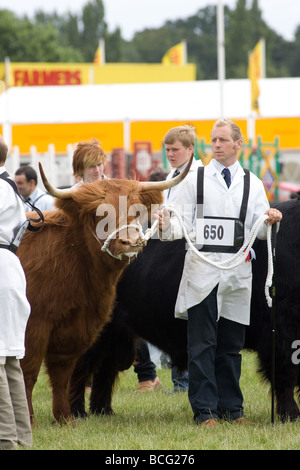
71, 283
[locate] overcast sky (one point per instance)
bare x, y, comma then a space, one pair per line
135, 15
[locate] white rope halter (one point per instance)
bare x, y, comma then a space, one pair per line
105, 246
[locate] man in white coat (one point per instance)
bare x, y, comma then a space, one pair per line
217, 302
179, 146
15, 428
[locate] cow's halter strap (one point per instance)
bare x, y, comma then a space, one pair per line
105, 246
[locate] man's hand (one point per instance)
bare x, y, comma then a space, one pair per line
274, 216
163, 218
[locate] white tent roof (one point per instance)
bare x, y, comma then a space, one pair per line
197, 100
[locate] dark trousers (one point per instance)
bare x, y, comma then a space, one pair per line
214, 362
144, 367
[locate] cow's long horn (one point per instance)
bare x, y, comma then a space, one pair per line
59, 193
162, 185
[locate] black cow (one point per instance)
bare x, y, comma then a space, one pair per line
145, 308
287, 311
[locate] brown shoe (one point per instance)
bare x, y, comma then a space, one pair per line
209, 423
243, 421
149, 385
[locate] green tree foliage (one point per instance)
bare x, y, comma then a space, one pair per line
18, 40
93, 28
243, 29
294, 58
238, 39
74, 38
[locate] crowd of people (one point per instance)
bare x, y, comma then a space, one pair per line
215, 303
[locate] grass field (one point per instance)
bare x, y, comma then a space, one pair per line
160, 421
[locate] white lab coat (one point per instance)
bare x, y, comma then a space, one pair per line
199, 278
14, 306
170, 195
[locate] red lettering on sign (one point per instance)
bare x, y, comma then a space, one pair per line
77, 77
18, 79
46, 77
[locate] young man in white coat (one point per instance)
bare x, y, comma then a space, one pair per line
15, 428
217, 302
179, 146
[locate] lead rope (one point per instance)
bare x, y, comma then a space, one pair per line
242, 253
224, 265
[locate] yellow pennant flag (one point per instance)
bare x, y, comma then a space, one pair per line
177, 55
255, 72
99, 58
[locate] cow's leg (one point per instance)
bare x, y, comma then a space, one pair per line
286, 379
116, 349
60, 369
102, 389
287, 407
99, 364
113, 351
30, 378
80, 378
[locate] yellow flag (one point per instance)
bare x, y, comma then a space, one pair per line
177, 55
255, 72
99, 58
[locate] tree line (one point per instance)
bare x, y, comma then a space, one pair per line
74, 38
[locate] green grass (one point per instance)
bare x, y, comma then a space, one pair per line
159, 421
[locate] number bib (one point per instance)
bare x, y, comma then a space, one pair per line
219, 234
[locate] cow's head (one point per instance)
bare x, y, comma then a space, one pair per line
113, 210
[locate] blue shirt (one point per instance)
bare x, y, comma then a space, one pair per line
41, 200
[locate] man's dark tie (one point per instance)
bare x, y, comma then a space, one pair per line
176, 173
227, 176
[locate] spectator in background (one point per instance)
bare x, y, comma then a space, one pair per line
157, 174
26, 181
89, 161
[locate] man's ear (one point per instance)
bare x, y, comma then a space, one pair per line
239, 144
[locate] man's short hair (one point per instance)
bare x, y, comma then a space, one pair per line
3, 150
29, 172
185, 134
159, 174
235, 130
